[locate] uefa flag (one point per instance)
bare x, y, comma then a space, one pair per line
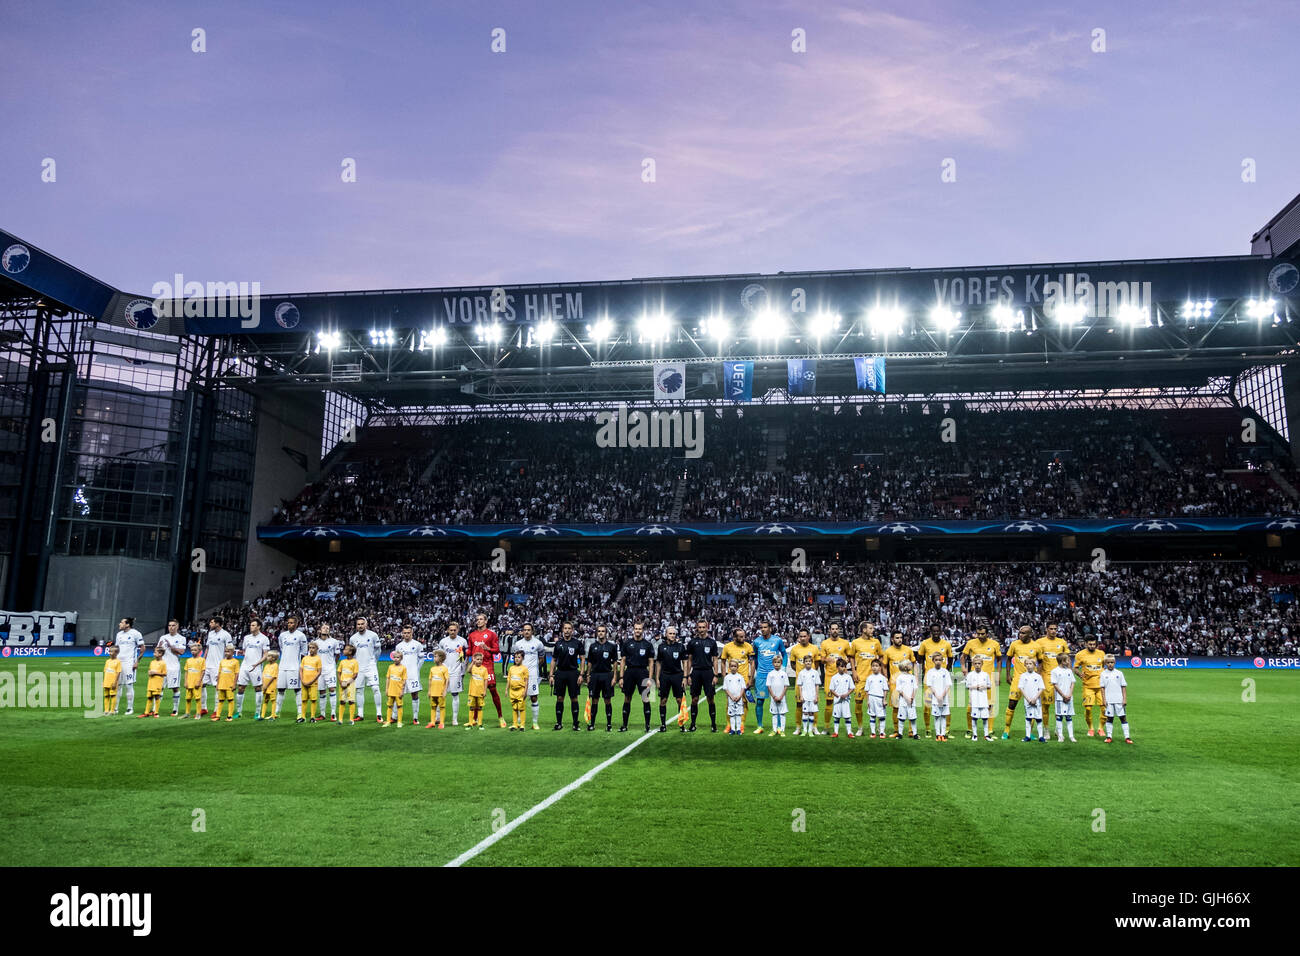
871, 373
738, 380
801, 376
670, 380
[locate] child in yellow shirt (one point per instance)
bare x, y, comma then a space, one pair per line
112, 679
396, 681
157, 673
439, 676
478, 675
194, 665
310, 666
348, 670
227, 676
270, 674
517, 677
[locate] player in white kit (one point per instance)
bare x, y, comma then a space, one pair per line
905, 693
292, 643
413, 657
129, 643
215, 645
532, 648
455, 647
1114, 695
173, 645
1063, 685
938, 686
367, 647
328, 647
256, 644
978, 685
1031, 689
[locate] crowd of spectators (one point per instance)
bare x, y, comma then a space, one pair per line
1161, 609
812, 464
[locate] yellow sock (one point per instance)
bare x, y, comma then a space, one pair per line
857, 711
927, 720
829, 705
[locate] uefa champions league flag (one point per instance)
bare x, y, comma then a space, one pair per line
738, 381
670, 380
871, 373
801, 376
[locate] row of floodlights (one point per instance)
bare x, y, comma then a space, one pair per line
770, 326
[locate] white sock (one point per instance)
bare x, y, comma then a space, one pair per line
455, 709
415, 709
130, 698
536, 706
1109, 726
257, 700
1123, 725
379, 707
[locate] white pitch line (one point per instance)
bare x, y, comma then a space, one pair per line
553, 798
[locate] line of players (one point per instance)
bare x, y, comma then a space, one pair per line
1039, 673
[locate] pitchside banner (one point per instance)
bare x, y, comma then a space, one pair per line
37, 629
1221, 663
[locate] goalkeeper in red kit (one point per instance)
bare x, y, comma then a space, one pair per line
483, 640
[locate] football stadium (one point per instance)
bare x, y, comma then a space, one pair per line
984, 565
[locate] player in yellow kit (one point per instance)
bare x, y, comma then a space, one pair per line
1051, 650
112, 680
439, 677
396, 681
309, 669
270, 674
227, 678
154, 690
194, 666
517, 678
1088, 664
990, 652
936, 643
895, 654
478, 675
834, 649
1019, 653
864, 649
349, 668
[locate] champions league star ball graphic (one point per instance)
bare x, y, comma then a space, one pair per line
774, 529
1155, 525
540, 531
653, 529
669, 381
898, 527
1025, 526
1283, 278
1284, 524
287, 315
753, 298
139, 314
15, 259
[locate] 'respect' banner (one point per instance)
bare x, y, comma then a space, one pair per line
37, 629
738, 381
871, 373
1137, 663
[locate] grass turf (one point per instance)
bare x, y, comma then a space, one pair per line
1213, 780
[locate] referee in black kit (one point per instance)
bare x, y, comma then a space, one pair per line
567, 662
634, 668
668, 674
602, 658
702, 652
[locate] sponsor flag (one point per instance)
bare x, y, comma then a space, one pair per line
871, 373
670, 380
801, 376
739, 379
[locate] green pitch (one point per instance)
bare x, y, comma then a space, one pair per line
1212, 780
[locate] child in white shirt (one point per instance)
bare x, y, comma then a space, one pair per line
1063, 684
808, 682
777, 683
841, 687
877, 691
733, 685
978, 685
905, 694
938, 686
